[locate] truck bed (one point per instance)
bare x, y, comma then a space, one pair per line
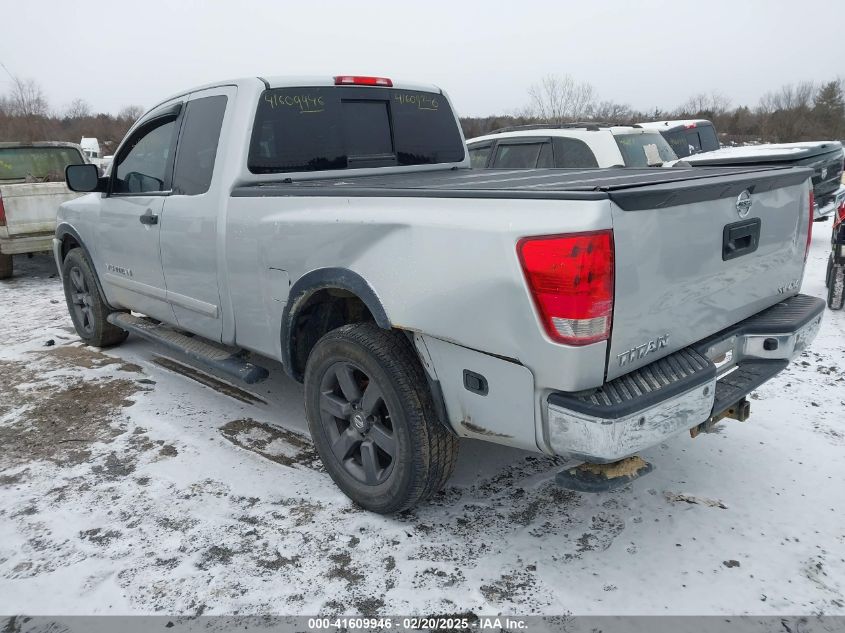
631, 189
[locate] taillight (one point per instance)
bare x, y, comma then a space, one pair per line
810, 224
358, 80
2, 212
840, 212
571, 281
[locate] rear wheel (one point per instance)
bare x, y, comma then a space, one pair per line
87, 308
373, 421
7, 266
836, 288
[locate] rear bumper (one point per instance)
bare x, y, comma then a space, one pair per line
28, 244
684, 389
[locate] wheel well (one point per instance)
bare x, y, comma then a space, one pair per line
323, 311
68, 242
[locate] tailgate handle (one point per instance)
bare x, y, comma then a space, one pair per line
740, 238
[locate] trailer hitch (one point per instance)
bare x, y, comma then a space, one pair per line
739, 410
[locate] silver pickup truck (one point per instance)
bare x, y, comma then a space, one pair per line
334, 225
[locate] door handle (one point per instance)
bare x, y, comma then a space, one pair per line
149, 218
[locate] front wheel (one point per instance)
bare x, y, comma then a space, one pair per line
87, 308
373, 421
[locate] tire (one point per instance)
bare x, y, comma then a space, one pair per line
7, 266
87, 308
373, 421
827, 273
836, 288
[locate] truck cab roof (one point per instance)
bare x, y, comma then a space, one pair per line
292, 81
686, 136
676, 124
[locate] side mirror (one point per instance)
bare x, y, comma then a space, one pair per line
84, 178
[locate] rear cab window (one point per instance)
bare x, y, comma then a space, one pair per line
692, 140
644, 150
340, 127
707, 137
678, 142
37, 164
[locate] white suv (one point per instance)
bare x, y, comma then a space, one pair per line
570, 145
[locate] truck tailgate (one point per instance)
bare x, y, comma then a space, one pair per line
31, 207
691, 260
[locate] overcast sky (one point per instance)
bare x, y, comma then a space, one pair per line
485, 54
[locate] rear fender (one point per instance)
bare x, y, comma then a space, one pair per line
306, 286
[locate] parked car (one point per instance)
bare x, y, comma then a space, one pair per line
573, 145
32, 186
825, 158
686, 137
335, 225
91, 148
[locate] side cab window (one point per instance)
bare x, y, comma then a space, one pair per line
144, 163
197, 148
478, 155
573, 153
522, 154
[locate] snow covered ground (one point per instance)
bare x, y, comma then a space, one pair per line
129, 486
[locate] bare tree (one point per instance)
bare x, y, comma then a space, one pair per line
789, 97
703, 104
559, 98
78, 109
130, 113
27, 99
612, 112
785, 112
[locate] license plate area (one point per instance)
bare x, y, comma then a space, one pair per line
722, 353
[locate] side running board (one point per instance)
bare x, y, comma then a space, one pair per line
195, 348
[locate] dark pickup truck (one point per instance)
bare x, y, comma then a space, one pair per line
695, 142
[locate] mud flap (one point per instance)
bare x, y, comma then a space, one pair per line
589, 477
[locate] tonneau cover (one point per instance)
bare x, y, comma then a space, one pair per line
768, 153
631, 189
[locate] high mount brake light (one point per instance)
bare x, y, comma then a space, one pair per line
689, 126
359, 80
570, 278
